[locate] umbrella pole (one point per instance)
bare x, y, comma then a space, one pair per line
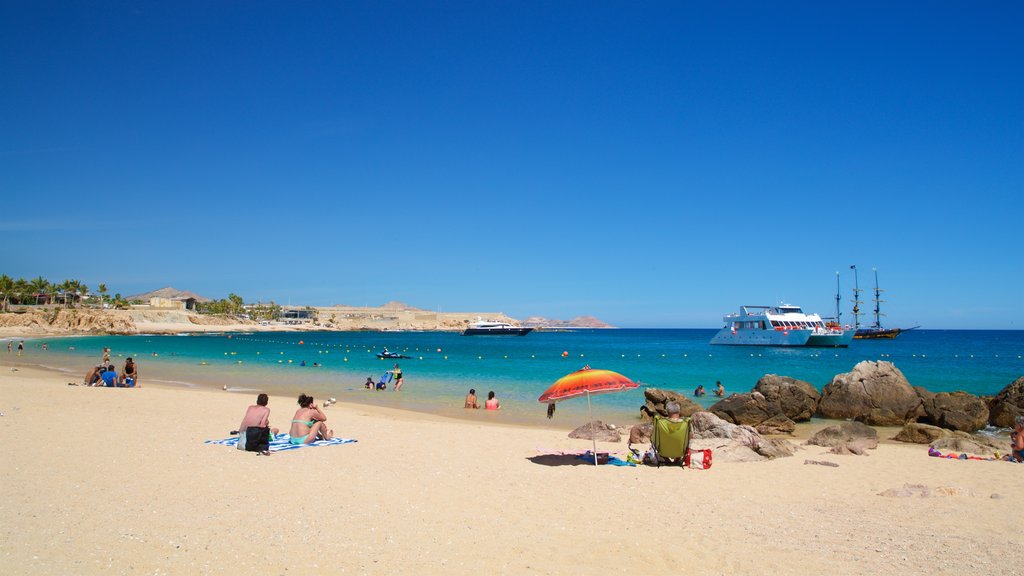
593, 433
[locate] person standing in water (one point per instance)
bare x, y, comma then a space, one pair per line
397, 374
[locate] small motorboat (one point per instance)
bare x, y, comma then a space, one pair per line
386, 354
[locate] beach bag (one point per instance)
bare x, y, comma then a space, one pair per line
698, 459
257, 439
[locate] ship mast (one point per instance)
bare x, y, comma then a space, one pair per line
878, 312
856, 298
839, 314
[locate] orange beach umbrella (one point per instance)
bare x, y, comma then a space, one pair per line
585, 382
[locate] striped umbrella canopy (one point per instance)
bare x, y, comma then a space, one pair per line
585, 382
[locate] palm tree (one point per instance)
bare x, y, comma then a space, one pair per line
22, 290
78, 290
103, 293
39, 286
64, 287
6, 286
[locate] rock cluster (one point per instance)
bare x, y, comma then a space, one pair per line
773, 407
657, 398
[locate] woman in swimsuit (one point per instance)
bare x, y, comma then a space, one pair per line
130, 374
309, 423
471, 399
492, 402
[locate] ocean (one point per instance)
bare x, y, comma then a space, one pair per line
443, 366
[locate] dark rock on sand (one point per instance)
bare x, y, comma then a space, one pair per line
657, 398
750, 409
641, 433
1008, 404
846, 438
876, 393
796, 399
777, 424
917, 433
603, 432
956, 410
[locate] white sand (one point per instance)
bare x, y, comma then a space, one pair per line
116, 481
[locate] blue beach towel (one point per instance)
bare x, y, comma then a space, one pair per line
281, 442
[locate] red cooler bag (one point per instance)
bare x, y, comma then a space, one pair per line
698, 459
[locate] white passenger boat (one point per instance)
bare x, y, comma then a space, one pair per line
489, 328
782, 325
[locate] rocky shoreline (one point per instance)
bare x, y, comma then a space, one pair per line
874, 393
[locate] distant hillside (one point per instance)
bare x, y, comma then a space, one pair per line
167, 292
577, 322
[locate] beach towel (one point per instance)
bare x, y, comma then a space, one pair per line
281, 442
954, 456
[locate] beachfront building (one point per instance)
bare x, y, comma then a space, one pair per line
180, 303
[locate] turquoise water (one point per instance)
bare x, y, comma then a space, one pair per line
445, 365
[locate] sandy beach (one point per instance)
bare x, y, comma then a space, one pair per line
115, 481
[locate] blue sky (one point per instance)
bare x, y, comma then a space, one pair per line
653, 164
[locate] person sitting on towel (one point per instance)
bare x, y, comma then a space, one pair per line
1017, 440
256, 416
309, 423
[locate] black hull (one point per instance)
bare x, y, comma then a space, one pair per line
877, 333
497, 332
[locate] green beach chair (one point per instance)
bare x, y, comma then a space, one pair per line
670, 439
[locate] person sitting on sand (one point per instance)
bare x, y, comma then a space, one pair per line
492, 402
699, 391
1017, 440
93, 376
256, 416
369, 383
471, 399
130, 374
719, 389
309, 423
109, 376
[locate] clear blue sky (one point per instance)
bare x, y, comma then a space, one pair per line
652, 164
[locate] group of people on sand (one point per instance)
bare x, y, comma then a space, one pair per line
105, 374
308, 425
719, 390
491, 403
1017, 440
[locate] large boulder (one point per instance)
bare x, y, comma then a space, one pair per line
748, 409
917, 433
845, 438
598, 431
873, 392
656, 399
956, 411
1008, 404
777, 424
796, 399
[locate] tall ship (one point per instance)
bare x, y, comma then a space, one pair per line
874, 331
782, 325
489, 328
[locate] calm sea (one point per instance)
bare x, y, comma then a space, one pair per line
444, 366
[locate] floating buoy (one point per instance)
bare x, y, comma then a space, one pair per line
301, 342
438, 350
565, 353
445, 357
